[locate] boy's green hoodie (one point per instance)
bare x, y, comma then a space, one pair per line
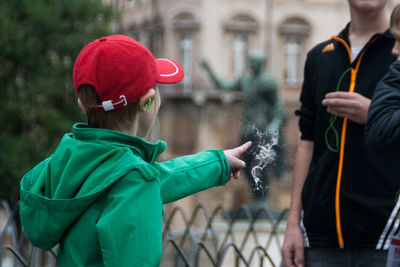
100, 196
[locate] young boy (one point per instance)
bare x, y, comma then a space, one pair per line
100, 194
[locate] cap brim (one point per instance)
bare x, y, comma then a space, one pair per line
169, 71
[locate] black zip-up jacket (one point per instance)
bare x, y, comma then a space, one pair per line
382, 130
349, 195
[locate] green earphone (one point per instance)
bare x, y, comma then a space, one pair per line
148, 104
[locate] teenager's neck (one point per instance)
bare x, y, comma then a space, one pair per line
364, 26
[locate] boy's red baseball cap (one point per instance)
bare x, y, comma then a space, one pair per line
121, 70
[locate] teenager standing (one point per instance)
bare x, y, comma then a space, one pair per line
342, 206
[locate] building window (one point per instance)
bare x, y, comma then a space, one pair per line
293, 61
294, 33
186, 57
240, 50
134, 32
132, 3
240, 28
118, 5
151, 35
186, 26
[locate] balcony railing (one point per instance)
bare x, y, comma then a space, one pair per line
202, 238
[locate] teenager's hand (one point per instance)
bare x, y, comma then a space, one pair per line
233, 156
293, 247
353, 106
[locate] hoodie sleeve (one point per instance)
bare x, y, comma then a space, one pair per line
130, 227
382, 129
183, 176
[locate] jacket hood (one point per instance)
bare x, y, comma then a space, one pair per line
85, 164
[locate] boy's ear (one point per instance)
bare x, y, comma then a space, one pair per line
143, 100
81, 106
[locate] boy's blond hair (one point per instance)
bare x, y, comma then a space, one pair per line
395, 17
119, 119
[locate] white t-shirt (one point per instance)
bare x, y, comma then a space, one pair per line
355, 51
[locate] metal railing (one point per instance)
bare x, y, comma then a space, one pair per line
218, 238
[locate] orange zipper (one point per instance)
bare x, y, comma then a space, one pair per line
342, 143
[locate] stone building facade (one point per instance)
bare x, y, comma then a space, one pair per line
195, 116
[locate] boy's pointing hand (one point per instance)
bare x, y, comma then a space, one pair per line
233, 156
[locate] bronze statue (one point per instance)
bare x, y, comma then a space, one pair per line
263, 112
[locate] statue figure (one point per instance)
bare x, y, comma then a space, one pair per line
263, 112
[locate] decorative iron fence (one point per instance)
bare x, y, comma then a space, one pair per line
217, 238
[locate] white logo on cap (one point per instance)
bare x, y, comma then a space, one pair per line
173, 64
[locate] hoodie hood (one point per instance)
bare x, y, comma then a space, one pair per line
85, 164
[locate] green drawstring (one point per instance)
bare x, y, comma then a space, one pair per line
332, 121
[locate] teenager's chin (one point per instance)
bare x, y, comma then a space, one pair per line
368, 5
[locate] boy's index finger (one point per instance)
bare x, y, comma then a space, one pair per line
241, 149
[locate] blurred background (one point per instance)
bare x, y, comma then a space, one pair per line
40, 39
195, 115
